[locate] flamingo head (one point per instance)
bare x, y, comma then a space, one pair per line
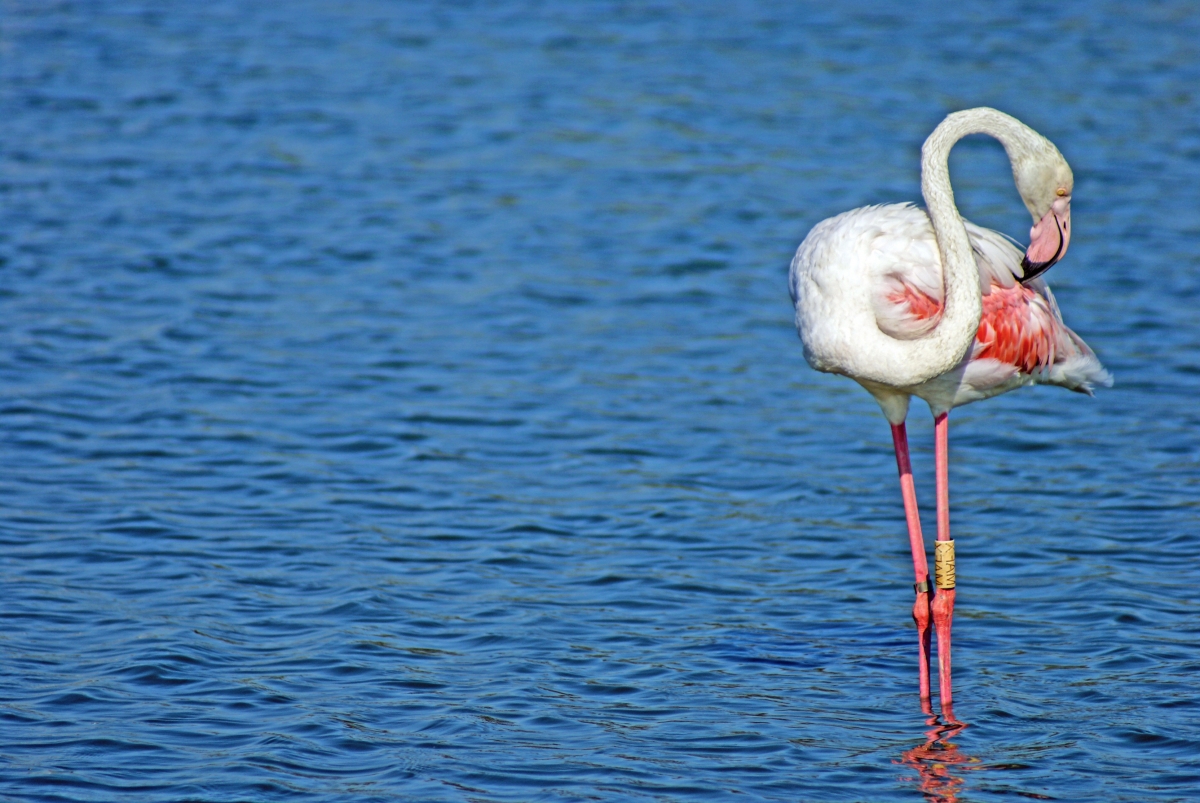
1045, 182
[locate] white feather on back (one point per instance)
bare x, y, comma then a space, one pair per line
996, 255
903, 256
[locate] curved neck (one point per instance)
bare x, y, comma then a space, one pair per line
1019, 141
893, 364
954, 335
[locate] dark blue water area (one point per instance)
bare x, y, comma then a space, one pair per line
400, 401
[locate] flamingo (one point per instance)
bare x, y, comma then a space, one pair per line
911, 302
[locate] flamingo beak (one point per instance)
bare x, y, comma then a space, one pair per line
1048, 240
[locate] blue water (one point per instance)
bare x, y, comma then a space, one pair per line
400, 401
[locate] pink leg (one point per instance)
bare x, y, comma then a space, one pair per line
943, 601
917, 542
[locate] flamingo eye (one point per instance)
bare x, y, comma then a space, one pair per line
1061, 192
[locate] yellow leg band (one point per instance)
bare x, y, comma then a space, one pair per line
943, 563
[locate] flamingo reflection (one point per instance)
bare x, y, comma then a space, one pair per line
936, 759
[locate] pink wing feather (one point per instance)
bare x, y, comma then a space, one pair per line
1021, 332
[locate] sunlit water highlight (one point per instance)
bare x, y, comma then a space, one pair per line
401, 402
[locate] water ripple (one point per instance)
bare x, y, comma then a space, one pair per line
402, 403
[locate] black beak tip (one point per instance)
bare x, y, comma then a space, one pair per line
1033, 270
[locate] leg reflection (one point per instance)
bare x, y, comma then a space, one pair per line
937, 760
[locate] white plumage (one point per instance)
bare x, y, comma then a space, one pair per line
909, 302
853, 279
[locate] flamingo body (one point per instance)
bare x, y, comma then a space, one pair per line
911, 302
886, 257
